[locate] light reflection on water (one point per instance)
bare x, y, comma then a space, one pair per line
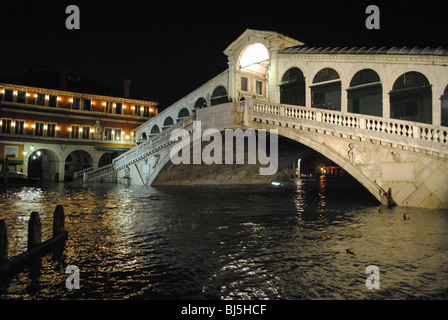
264, 242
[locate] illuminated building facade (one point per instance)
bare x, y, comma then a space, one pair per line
56, 134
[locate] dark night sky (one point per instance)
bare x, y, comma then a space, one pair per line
169, 48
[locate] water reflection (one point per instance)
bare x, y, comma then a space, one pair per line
229, 242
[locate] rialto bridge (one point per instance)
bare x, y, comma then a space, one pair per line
379, 113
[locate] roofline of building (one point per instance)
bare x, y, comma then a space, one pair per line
77, 94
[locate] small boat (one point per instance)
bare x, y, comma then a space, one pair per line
18, 179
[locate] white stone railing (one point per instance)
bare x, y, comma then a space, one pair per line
79, 174
97, 173
407, 133
153, 143
410, 133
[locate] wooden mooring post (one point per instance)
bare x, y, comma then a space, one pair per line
35, 246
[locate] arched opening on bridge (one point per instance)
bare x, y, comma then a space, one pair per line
292, 87
253, 70
444, 107
200, 103
168, 122
255, 58
154, 130
219, 96
411, 98
77, 161
107, 158
183, 113
365, 94
43, 164
326, 90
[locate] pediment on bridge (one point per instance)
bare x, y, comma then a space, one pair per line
273, 41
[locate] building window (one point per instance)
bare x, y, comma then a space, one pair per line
146, 111
52, 101
74, 132
108, 107
108, 134
40, 101
11, 151
86, 104
8, 95
117, 134
76, 103
51, 129
21, 97
118, 108
85, 132
244, 86
137, 110
6, 125
39, 128
19, 127
259, 88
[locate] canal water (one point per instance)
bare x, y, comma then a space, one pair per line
277, 242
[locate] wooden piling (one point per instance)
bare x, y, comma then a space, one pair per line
58, 220
34, 230
3, 241
36, 248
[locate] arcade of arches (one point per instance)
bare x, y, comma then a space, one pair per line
410, 96
45, 164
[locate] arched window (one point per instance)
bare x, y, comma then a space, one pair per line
200, 103
155, 130
143, 136
444, 107
255, 58
219, 96
411, 98
365, 94
168, 122
292, 87
183, 113
326, 90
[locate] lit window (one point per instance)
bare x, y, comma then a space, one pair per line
19, 126
51, 129
86, 132
39, 128
74, 132
136, 110
6, 125
75, 103
108, 134
21, 97
40, 101
86, 104
118, 107
52, 101
117, 134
